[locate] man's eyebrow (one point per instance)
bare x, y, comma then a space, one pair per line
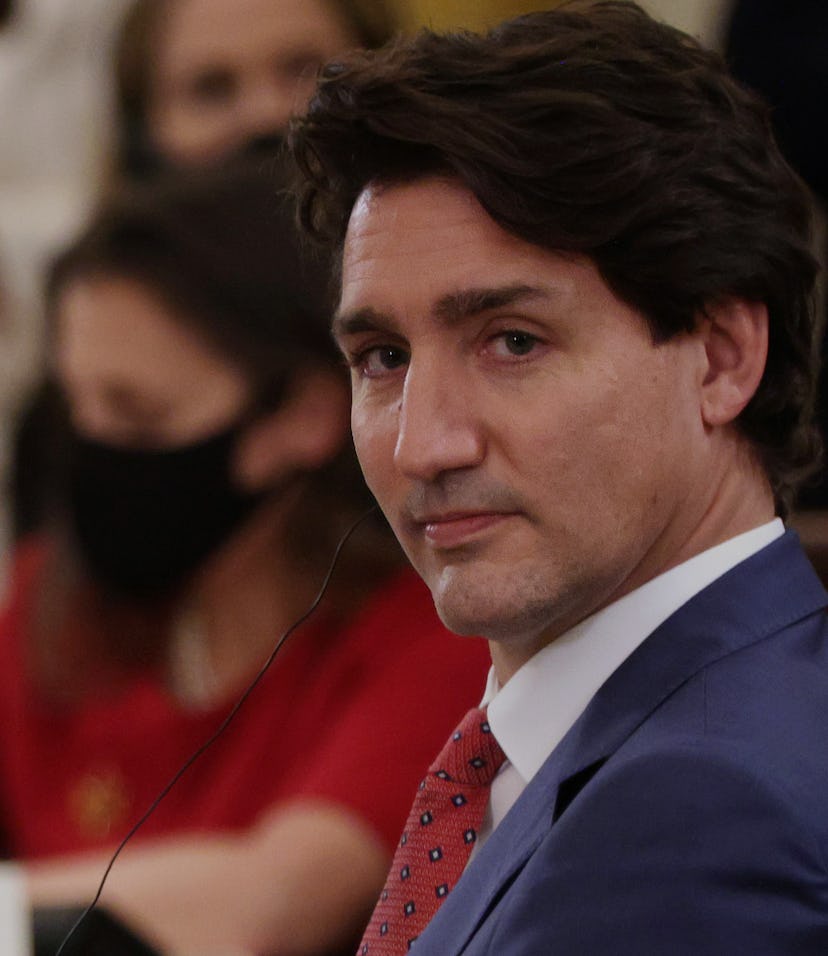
466, 303
450, 308
361, 320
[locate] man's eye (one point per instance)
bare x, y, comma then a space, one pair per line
381, 360
516, 343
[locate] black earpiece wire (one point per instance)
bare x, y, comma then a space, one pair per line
221, 728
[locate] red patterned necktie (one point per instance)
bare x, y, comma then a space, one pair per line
438, 838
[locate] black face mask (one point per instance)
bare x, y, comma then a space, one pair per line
144, 520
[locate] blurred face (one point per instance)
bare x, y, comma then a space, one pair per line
134, 374
537, 455
228, 71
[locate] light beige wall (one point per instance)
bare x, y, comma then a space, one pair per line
703, 19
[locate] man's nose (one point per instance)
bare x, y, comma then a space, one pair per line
439, 429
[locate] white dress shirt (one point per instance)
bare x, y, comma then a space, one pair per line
532, 712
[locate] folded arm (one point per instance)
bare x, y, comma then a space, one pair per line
303, 881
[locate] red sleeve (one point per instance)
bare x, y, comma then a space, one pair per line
15, 616
18, 600
416, 682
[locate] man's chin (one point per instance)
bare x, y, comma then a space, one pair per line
483, 596
469, 614
507, 608
458, 609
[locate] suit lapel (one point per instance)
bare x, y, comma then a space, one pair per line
769, 591
764, 594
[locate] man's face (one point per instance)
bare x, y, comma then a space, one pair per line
536, 454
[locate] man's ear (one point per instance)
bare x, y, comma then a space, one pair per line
304, 433
735, 336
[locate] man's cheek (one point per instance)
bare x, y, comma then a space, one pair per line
375, 439
376, 467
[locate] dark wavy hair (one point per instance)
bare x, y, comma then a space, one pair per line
596, 130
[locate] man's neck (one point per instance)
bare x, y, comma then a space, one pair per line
740, 501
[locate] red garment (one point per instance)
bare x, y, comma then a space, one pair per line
332, 719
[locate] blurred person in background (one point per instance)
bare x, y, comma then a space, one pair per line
200, 80
208, 477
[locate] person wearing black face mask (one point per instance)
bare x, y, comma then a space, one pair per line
205, 477
145, 518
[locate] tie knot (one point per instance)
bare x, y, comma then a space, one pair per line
471, 756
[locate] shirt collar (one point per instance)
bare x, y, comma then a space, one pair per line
533, 711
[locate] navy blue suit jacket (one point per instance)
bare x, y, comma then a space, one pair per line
686, 812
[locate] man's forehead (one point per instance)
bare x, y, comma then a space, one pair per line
394, 230
431, 246
422, 228
424, 202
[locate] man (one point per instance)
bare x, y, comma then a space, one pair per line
575, 297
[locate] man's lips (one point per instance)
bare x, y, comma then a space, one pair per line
454, 528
